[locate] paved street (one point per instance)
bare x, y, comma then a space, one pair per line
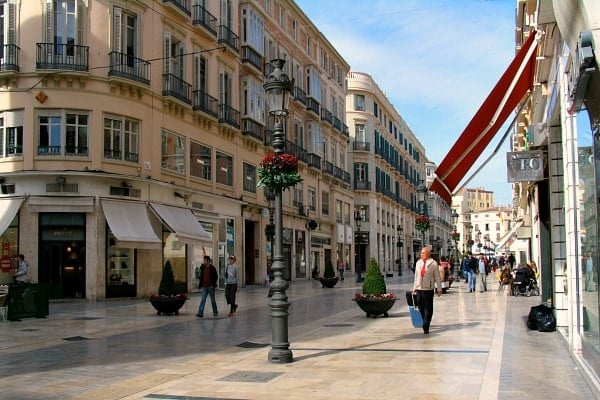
479, 348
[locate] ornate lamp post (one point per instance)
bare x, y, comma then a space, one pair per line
358, 243
422, 196
400, 244
277, 86
455, 237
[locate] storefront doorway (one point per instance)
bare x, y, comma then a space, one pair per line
62, 254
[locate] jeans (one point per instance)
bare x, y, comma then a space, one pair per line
472, 280
205, 291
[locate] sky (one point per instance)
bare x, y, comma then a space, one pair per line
436, 60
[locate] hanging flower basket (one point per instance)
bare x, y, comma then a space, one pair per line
455, 236
422, 223
278, 171
471, 242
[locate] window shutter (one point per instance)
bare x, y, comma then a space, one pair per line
167, 54
11, 34
117, 26
81, 9
49, 24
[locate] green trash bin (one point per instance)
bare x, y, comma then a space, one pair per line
27, 301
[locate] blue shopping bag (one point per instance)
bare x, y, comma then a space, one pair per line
415, 317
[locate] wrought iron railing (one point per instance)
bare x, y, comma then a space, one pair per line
129, 67
69, 57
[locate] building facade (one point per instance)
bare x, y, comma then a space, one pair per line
389, 163
559, 207
132, 132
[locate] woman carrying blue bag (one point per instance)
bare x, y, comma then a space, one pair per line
427, 278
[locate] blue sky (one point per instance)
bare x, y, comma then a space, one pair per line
436, 60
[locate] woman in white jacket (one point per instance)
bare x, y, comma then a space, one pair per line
427, 278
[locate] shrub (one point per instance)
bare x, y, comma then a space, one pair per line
329, 271
167, 281
374, 282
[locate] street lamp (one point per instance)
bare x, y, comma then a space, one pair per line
455, 237
358, 218
422, 195
400, 244
277, 87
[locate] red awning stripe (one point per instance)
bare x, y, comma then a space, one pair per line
516, 81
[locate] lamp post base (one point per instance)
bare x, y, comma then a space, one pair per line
280, 356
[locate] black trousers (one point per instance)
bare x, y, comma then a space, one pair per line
425, 299
230, 292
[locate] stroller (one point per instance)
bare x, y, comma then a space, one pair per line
525, 283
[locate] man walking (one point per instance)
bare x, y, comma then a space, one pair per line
231, 284
427, 278
482, 268
208, 283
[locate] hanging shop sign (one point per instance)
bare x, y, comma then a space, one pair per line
525, 166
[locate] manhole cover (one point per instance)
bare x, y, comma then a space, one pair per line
250, 376
75, 338
338, 325
252, 345
85, 318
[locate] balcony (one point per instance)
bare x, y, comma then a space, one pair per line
9, 59
314, 160
252, 128
299, 95
205, 103
327, 167
337, 124
361, 146
129, 67
326, 115
180, 5
312, 105
68, 57
298, 151
338, 173
362, 185
176, 87
229, 115
205, 19
252, 57
227, 37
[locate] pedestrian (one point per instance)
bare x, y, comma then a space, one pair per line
340, 267
482, 269
21, 274
231, 284
427, 278
589, 273
471, 270
511, 260
208, 284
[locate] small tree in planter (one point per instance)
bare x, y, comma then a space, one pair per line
329, 279
374, 299
168, 300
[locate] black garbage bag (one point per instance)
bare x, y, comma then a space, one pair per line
541, 318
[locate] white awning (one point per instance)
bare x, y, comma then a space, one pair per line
510, 234
182, 222
9, 207
130, 224
60, 204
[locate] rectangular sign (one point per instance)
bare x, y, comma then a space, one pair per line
525, 166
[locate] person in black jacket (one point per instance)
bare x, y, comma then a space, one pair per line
208, 283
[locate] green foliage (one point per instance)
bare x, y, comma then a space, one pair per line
329, 271
167, 281
374, 282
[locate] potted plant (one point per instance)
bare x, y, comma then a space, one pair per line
168, 300
328, 279
374, 299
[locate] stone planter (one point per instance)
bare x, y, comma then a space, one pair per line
373, 308
168, 305
328, 282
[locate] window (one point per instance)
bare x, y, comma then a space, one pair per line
11, 133
298, 196
64, 24
173, 152
375, 109
308, 46
294, 30
125, 34
338, 211
253, 97
121, 135
225, 88
312, 199
8, 53
224, 164
347, 219
325, 203
340, 76
249, 178
174, 60
200, 161
299, 133
62, 133
359, 133
313, 84
253, 30
359, 102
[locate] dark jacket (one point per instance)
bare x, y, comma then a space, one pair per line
213, 275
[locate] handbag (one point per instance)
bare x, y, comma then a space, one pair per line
415, 316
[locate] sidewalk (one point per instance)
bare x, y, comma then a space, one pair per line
478, 348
